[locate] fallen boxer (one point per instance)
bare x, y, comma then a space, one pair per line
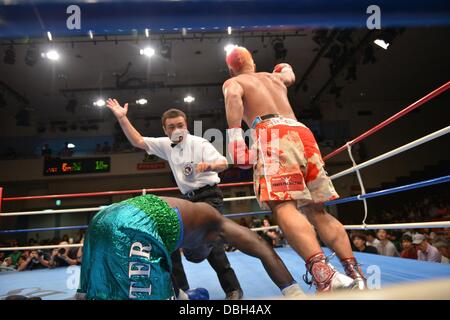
128, 244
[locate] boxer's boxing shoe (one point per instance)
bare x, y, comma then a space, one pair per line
325, 277
353, 270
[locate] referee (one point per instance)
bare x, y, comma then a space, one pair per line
195, 164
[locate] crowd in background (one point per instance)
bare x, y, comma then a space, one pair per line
420, 244
25, 260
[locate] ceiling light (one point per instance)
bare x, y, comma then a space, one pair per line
229, 47
189, 99
147, 51
382, 43
99, 103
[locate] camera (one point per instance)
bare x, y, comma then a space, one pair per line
40, 253
62, 251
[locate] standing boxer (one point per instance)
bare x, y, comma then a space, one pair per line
289, 177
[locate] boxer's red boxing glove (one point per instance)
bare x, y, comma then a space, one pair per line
281, 67
240, 154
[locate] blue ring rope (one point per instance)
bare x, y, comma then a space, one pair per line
379, 193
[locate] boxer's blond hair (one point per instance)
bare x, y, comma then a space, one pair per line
238, 59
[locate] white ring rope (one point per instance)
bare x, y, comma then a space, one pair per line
361, 184
53, 246
393, 226
394, 152
50, 211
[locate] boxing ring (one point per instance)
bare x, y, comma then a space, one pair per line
382, 272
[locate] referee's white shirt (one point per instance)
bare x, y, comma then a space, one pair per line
185, 156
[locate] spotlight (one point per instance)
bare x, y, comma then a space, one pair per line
280, 50
70, 146
148, 51
387, 37
31, 56
229, 30
91, 34
382, 43
142, 101
10, 55
229, 47
49, 36
51, 55
147, 33
99, 103
189, 99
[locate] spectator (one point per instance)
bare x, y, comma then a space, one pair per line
444, 250
409, 250
359, 241
371, 239
272, 236
36, 259
256, 222
46, 152
386, 247
7, 264
426, 251
63, 256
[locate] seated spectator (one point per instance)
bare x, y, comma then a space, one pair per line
63, 256
409, 250
272, 236
359, 241
386, 247
36, 259
7, 264
426, 251
371, 239
444, 250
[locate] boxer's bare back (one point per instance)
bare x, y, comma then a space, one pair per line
261, 92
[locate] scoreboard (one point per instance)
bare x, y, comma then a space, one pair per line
58, 167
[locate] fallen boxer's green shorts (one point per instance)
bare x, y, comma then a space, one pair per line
126, 251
